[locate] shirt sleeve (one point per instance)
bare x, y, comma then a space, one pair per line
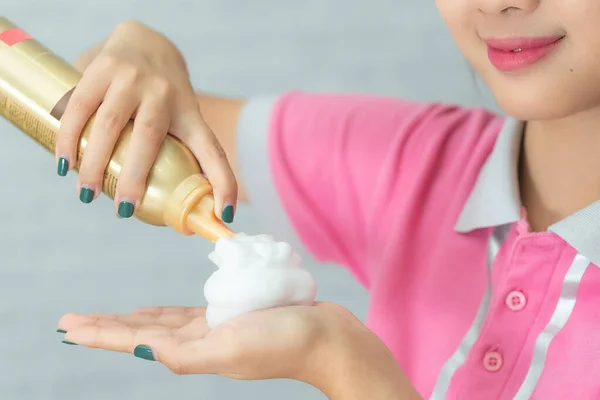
331, 172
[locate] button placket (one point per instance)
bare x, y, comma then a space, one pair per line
513, 302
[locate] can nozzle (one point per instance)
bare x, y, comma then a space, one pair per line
203, 221
191, 210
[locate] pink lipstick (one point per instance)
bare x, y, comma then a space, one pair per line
517, 53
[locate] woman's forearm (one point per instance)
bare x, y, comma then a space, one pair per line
222, 114
360, 366
360, 379
351, 387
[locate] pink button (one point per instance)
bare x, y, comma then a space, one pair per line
492, 361
516, 300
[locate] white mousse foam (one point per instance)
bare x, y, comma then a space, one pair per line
254, 273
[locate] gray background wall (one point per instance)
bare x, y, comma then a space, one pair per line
58, 255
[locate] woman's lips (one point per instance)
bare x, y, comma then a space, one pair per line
517, 53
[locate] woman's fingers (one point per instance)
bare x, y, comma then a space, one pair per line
116, 99
170, 331
123, 332
75, 321
178, 320
84, 101
149, 130
138, 72
192, 312
196, 134
114, 332
118, 106
120, 337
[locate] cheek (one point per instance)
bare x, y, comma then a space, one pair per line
586, 42
460, 20
567, 84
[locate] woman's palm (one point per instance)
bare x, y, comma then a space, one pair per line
252, 346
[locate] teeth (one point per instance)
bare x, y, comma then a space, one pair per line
516, 50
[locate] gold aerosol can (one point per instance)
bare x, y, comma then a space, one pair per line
35, 86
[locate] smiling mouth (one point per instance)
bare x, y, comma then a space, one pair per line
519, 44
517, 53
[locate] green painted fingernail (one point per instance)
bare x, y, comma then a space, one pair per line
125, 209
69, 343
63, 166
227, 214
61, 331
86, 195
145, 352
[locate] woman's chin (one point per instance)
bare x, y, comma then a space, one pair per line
538, 108
542, 100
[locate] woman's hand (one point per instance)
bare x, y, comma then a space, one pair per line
323, 345
274, 343
138, 74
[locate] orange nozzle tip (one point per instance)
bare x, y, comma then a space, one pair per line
216, 234
228, 233
208, 227
223, 231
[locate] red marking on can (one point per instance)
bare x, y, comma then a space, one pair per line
13, 36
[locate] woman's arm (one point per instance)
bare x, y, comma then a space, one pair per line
362, 375
358, 365
221, 114
323, 345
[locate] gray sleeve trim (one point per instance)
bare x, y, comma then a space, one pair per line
253, 162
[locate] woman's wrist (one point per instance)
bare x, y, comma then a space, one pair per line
352, 363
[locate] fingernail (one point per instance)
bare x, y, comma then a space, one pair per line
125, 209
61, 331
69, 343
63, 166
227, 214
86, 195
145, 352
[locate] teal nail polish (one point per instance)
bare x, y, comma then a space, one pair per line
144, 352
63, 166
227, 214
86, 195
69, 343
61, 331
125, 209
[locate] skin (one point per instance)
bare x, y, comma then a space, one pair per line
558, 97
325, 345
137, 73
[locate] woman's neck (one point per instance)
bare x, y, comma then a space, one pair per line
560, 168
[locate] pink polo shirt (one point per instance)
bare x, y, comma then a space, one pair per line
420, 202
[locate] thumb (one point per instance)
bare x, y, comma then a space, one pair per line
193, 357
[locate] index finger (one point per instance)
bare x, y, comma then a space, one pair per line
212, 158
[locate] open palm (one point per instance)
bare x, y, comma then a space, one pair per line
272, 343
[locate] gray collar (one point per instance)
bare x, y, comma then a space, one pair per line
495, 199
